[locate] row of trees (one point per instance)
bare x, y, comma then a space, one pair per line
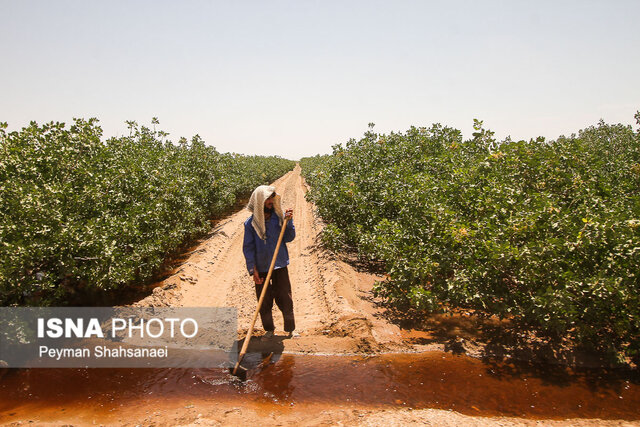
79, 215
544, 233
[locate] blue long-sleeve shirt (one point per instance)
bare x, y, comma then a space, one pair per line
258, 252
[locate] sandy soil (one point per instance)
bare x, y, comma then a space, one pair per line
374, 417
334, 310
301, 415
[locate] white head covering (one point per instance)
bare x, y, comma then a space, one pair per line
256, 206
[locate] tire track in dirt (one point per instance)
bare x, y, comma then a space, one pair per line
332, 301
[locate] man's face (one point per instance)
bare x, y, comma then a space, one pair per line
268, 204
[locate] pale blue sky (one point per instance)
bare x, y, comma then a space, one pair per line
294, 77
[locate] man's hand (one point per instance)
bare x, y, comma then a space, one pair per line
256, 277
288, 213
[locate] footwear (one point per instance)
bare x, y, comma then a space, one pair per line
267, 336
293, 334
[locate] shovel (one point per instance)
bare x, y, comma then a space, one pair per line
238, 370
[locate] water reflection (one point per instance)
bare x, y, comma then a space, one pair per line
276, 379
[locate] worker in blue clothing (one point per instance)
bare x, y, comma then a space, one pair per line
261, 232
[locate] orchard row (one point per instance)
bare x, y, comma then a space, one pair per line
80, 216
546, 233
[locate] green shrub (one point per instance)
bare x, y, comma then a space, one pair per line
545, 233
79, 215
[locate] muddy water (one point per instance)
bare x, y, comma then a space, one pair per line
433, 380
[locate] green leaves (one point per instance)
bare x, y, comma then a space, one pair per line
544, 232
80, 215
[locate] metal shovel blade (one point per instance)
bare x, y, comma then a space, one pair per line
240, 373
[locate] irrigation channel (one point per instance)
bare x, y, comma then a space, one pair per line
410, 381
351, 364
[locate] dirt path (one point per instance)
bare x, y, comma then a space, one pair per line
335, 314
332, 302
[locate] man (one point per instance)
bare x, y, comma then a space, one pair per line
261, 232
